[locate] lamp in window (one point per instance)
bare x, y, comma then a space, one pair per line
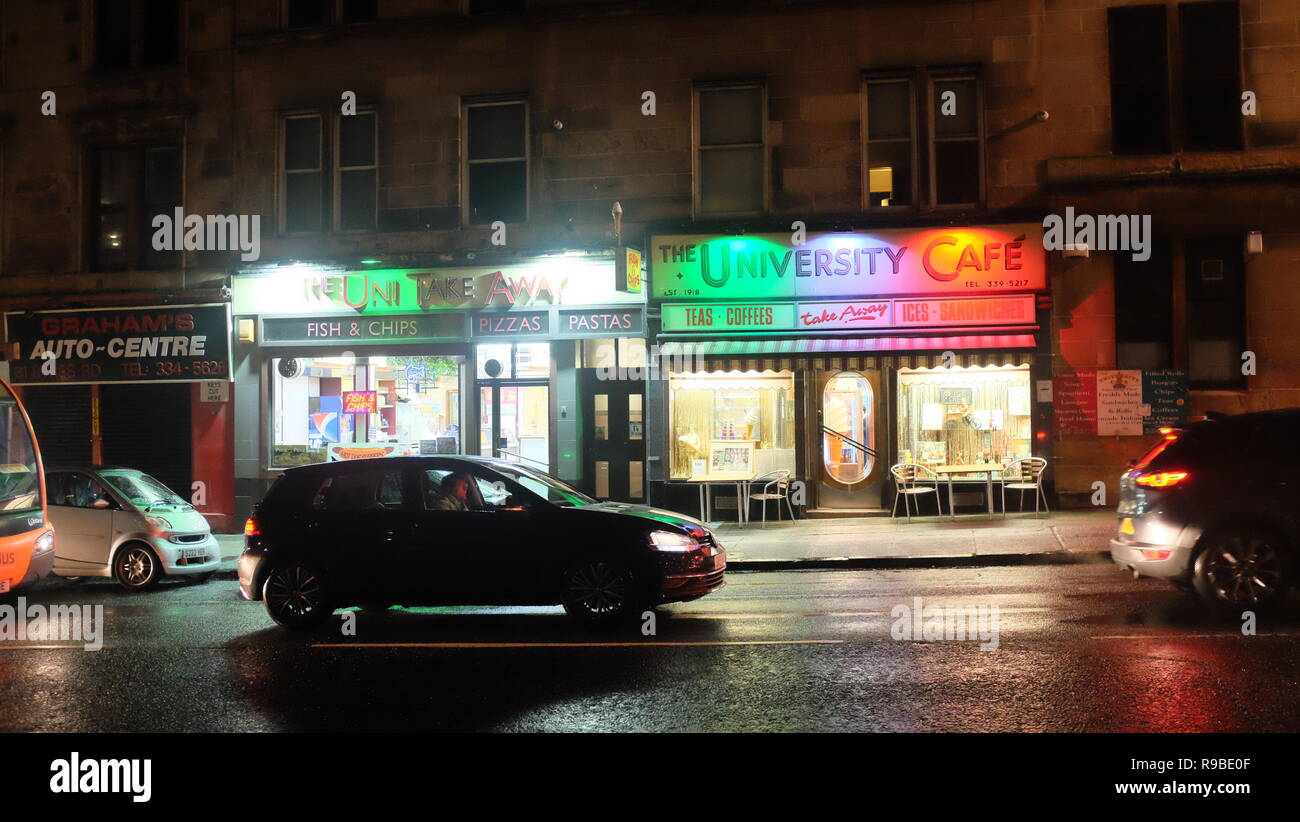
881, 181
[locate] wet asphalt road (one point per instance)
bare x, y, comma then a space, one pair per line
1081, 648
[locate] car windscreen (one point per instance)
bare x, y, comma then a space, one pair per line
20, 483
142, 490
554, 491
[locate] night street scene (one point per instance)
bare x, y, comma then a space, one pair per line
921, 367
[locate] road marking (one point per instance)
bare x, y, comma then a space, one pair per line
1224, 635
574, 644
80, 647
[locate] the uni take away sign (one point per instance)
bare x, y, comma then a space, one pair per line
966, 261
414, 291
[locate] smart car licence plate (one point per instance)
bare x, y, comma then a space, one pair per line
192, 553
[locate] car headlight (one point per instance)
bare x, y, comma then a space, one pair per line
159, 523
672, 541
45, 542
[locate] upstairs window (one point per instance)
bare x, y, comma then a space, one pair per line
496, 162
731, 150
1211, 41
136, 33
302, 182
956, 141
133, 184
888, 141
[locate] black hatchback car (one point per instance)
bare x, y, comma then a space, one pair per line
1215, 509
463, 530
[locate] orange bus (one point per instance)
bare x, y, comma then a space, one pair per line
26, 536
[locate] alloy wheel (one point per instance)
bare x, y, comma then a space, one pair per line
136, 567
1244, 569
293, 593
598, 588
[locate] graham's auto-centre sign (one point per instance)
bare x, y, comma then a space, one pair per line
164, 343
878, 263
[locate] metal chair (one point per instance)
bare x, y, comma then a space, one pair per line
776, 486
906, 477
1024, 475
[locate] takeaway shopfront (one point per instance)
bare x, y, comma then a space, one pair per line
346, 364
141, 387
838, 357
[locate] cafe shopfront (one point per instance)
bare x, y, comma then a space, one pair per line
841, 356
488, 360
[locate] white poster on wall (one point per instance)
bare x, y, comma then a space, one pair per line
932, 417
1018, 401
1119, 403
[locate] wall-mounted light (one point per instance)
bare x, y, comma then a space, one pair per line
1254, 242
1075, 250
247, 331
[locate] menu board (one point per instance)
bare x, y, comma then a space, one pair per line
1074, 403
1166, 393
1119, 403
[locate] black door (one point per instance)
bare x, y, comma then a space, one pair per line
613, 437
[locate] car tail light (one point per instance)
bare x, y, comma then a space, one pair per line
1161, 479
251, 528
1148, 554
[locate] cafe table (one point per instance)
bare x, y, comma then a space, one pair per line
707, 481
988, 469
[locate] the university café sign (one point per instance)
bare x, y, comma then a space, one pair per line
866, 281
562, 300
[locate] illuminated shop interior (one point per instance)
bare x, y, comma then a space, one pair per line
960, 416
751, 406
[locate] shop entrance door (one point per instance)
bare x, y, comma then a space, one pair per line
849, 468
515, 423
613, 437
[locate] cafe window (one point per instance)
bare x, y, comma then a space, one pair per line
961, 416
956, 141
496, 162
355, 165
133, 185
712, 410
1144, 309
888, 142
417, 401
613, 352
302, 183
1216, 312
731, 149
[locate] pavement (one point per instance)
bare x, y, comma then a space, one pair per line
864, 543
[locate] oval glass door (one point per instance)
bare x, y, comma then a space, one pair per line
847, 409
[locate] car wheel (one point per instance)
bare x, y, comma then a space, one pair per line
1243, 569
600, 591
295, 597
136, 567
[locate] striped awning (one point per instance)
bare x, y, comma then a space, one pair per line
838, 353
843, 345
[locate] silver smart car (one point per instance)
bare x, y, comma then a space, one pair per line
123, 523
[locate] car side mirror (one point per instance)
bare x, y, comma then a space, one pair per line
101, 503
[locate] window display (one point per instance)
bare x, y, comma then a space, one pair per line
416, 405
750, 407
959, 416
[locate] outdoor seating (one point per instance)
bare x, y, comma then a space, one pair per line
910, 480
1025, 475
775, 486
